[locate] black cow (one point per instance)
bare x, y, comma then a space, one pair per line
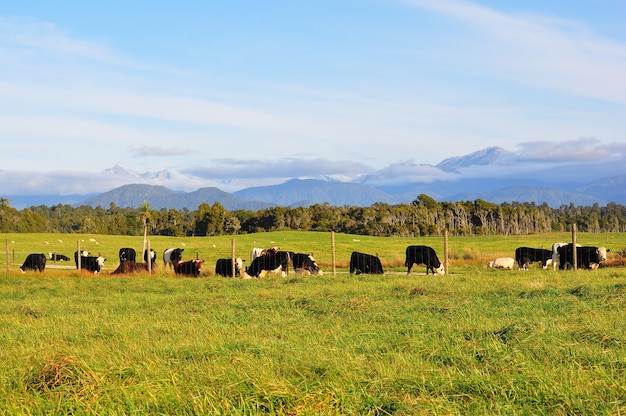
172, 256
365, 263
224, 267
304, 262
586, 256
268, 262
127, 254
92, 264
57, 257
34, 262
526, 255
189, 267
423, 255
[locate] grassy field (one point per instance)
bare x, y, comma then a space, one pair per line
478, 341
463, 251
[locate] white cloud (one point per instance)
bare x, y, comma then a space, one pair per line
550, 53
583, 149
159, 151
278, 169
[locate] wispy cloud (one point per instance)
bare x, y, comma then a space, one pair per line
550, 53
159, 151
279, 169
582, 149
28, 38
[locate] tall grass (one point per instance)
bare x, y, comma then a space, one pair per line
476, 342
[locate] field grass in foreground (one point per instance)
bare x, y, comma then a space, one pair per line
494, 342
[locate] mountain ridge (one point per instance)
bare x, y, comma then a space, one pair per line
492, 174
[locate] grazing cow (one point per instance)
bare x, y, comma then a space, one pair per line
423, 255
127, 254
92, 264
172, 256
152, 256
224, 267
526, 255
58, 257
188, 268
268, 262
34, 262
587, 256
555, 254
502, 263
365, 263
304, 263
128, 267
256, 252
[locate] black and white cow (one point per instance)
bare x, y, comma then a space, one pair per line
188, 268
57, 257
278, 261
172, 256
153, 256
587, 256
92, 264
34, 262
423, 255
304, 263
224, 267
365, 263
556, 261
127, 254
526, 255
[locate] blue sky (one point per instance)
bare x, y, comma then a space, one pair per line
230, 93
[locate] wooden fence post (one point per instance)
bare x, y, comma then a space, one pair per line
78, 256
332, 249
574, 251
6, 249
446, 264
149, 256
232, 257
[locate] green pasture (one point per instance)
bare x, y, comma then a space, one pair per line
478, 341
463, 251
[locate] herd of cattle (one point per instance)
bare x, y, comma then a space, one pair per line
263, 261
561, 256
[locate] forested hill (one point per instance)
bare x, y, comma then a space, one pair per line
423, 217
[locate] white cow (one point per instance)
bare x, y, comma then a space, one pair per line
502, 263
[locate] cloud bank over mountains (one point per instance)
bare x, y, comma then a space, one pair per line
578, 161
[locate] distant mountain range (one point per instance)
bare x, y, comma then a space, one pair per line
451, 183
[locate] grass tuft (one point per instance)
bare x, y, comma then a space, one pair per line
61, 373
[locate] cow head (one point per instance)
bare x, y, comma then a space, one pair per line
238, 265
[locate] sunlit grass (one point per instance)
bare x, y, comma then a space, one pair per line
476, 342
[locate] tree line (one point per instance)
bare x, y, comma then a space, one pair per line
422, 217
